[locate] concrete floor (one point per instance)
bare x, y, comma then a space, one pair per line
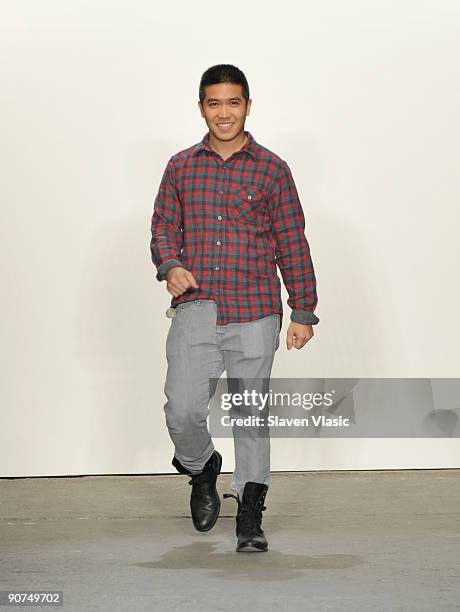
383, 540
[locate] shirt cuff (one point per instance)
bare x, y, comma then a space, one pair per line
166, 266
304, 317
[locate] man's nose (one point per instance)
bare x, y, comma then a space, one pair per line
224, 113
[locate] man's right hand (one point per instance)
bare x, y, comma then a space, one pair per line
178, 280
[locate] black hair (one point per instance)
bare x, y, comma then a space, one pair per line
223, 73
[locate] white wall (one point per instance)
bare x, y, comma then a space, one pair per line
361, 99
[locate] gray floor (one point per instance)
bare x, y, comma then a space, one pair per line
384, 540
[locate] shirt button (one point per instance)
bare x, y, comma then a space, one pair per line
219, 242
217, 268
221, 192
220, 217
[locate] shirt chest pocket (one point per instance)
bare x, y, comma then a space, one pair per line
247, 204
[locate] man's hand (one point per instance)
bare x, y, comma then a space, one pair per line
298, 335
178, 280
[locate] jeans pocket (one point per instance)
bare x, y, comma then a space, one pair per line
184, 305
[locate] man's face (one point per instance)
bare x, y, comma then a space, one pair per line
224, 110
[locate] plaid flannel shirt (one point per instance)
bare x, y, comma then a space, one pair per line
232, 223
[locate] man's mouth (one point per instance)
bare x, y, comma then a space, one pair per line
225, 125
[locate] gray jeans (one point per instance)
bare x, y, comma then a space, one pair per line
196, 350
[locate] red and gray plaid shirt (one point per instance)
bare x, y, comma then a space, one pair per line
231, 223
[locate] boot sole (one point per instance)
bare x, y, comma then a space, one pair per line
219, 457
251, 549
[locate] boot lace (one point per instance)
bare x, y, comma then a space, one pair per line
203, 478
248, 517
199, 479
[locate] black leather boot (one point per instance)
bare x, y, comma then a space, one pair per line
251, 536
204, 499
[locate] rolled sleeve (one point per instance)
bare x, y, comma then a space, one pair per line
166, 225
166, 267
292, 248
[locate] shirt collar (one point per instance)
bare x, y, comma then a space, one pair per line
249, 147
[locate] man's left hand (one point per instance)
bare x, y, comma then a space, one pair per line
298, 335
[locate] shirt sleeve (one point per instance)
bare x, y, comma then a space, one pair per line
166, 226
292, 249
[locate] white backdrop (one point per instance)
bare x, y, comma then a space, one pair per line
360, 98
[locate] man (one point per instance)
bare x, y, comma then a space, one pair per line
226, 214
